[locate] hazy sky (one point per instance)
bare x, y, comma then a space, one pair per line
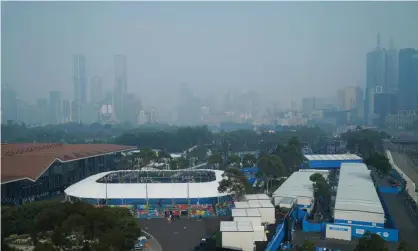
286, 50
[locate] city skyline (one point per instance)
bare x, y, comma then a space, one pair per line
248, 51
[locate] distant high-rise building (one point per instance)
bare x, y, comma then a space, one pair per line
391, 69
55, 110
351, 99
43, 111
9, 104
308, 105
80, 86
96, 91
375, 78
408, 79
121, 85
66, 111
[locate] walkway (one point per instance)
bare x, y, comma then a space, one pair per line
153, 244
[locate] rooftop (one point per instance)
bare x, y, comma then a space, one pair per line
298, 185
356, 191
320, 157
236, 226
91, 188
260, 204
248, 212
31, 160
257, 197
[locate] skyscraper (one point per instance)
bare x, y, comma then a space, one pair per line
408, 79
375, 78
121, 85
96, 91
391, 69
55, 109
9, 104
80, 86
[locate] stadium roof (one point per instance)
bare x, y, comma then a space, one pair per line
31, 160
322, 157
90, 188
356, 191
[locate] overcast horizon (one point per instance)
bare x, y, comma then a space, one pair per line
284, 50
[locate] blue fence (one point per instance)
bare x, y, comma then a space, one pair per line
390, 190
274, 244
313, 227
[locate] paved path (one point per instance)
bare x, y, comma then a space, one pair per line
405, 222
180, 235
153, 244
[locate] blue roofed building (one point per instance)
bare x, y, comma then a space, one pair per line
328, 161
250, 173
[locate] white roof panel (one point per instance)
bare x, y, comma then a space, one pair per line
236, 226
257, 197
356, 191
248, 212
297, 185
241, 212
241, 204
312, 157
89, 188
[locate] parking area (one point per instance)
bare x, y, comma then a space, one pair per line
180, 235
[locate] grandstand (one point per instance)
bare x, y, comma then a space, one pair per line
153, 192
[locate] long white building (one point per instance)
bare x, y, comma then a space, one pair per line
357, 202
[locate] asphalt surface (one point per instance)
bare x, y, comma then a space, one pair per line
180, 235
404, 221
404, 163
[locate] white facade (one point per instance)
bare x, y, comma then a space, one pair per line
357, 199
338, 232
267, 210
90, 188
241, 235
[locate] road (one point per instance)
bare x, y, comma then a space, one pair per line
153, 244
180, 235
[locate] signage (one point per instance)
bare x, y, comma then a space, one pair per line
338, 228
359, 231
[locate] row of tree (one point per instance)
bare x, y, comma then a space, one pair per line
65, 226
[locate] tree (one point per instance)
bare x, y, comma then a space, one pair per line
234, 160
363, 142
112, 227
271, 165
380, 162
290, 154
146, 155
215, 159
199, 152
320, 186
371, 242
248, 160
234, 182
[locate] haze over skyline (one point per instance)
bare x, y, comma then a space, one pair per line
284, 50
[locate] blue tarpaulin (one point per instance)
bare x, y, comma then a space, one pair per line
250, 170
